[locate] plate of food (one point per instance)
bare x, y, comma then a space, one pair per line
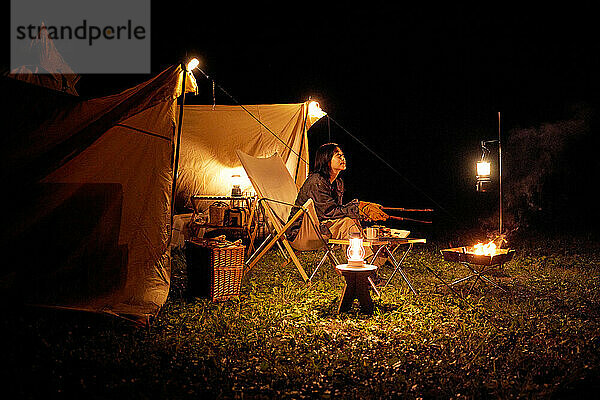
399, 233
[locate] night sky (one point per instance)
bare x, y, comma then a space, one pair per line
419, 88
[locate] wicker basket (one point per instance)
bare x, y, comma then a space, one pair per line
222, 262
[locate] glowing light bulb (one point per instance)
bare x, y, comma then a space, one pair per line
315, 111
192, 64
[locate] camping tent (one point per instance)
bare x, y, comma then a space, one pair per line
212, 134
89, 185
89, 191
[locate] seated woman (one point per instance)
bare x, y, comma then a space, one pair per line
326, 188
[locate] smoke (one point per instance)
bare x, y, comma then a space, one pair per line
538, 168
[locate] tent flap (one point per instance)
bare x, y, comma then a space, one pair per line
91, 200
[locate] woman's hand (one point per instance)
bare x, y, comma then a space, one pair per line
371, 211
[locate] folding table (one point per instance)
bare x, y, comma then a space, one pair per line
389, 246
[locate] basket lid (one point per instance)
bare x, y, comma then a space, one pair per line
216, 243
218, 204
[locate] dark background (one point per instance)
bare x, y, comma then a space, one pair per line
411, 92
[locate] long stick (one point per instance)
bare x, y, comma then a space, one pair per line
407, 209
407, 219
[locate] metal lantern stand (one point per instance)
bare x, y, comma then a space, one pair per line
483, 180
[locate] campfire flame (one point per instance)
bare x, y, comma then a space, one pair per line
487, 249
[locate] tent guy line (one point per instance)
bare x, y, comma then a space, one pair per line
390, 166
249, 113
340, 126
145, 132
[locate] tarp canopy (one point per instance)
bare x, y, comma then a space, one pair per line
212, 134
89, 186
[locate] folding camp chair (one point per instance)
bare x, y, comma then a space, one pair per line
277, 192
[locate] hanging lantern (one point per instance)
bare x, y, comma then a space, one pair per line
356, 252
483, 176
483, 169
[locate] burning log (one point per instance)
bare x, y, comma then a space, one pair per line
479, 254
485, 249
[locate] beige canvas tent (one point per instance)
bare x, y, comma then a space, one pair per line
212, 134
89, 191
89, 185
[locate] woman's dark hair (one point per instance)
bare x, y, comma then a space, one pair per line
323, 158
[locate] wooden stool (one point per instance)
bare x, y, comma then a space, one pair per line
357, 287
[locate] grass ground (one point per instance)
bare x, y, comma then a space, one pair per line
283, 339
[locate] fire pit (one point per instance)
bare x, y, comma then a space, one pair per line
487, 256
470, 255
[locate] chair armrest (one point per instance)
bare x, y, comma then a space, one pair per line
304, 206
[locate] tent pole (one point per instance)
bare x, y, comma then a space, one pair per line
176, 165
304, 132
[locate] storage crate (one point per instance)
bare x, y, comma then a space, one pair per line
215, 268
